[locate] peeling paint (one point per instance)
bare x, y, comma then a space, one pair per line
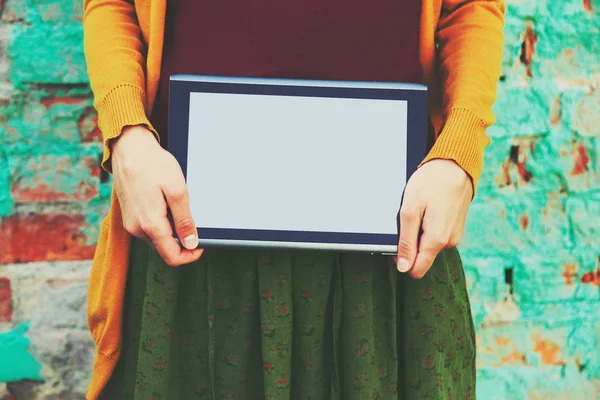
49, 178
591, 278
88, 126
14, 346
582, 160
555, 112
27, 238
51, 101
6, 307
6, 201
528, 47
517, 160
524, 221
531, 244
43, 54
550, 352
570, 273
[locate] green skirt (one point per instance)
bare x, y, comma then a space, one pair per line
242, 324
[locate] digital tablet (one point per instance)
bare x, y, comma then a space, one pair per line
298, 164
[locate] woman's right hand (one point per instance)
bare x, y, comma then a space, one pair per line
147, 179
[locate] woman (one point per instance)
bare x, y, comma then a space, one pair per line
247, 325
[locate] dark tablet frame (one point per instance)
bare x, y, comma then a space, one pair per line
180, 89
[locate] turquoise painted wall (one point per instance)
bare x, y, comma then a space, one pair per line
18, 363
532, 248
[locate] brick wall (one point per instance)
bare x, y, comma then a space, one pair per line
51, 193
532, 249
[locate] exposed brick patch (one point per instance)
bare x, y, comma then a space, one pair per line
555, 112
581, 160
592, 278
570, 273
26, 238
528, 47
50, 101
56, 178
510, 355
524, 222
549, 351
533, 228
88, 126
6, 307
516, 162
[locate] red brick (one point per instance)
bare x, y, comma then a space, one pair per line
522, 342
576, 164
6, 308
56, 178
28, 238
524, 222
555, 112
514, 169
88, 126
592, 278
528, 47
581, 160
549, 351
71, 100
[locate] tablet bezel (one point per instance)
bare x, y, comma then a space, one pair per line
182, 86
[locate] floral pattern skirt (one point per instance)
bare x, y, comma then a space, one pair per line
247, 324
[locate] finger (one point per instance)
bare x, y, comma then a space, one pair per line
178, 201
410, 225
160, 234
430, 246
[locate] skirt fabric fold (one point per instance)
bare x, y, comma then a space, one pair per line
247, 324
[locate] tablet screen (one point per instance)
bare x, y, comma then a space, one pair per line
293, 163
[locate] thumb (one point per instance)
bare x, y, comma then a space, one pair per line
410, 224
185, 227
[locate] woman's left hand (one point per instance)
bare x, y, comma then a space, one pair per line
433, 214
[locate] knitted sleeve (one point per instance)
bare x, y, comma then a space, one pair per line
469, 38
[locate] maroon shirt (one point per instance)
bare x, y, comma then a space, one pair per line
314, 39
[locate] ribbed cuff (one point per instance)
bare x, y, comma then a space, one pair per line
463, 140
123, 106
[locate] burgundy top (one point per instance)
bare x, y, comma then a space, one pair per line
308, 39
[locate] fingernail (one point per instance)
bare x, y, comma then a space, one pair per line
403, 265
190, 242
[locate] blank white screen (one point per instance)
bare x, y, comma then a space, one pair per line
296, 163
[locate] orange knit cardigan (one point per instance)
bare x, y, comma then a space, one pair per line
460, 52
